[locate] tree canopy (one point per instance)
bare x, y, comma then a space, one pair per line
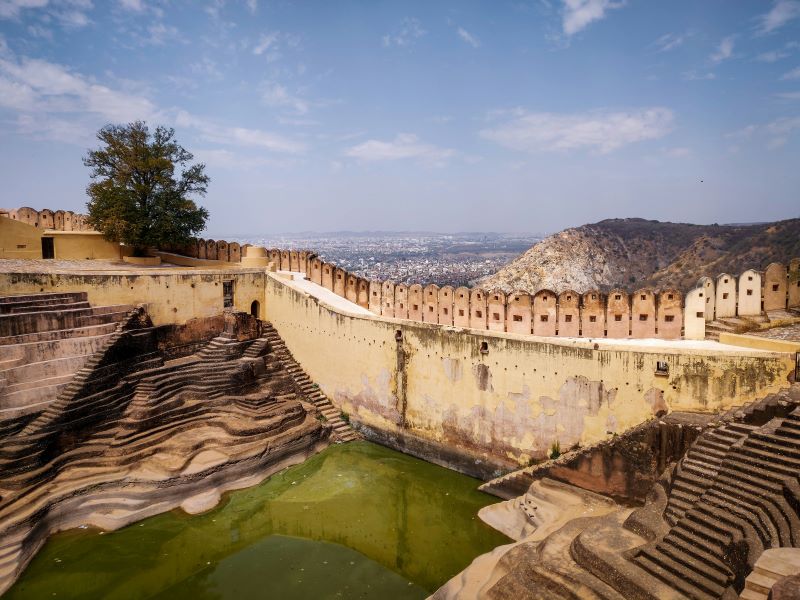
135, 196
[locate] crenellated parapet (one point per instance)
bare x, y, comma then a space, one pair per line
619, 313
58, 220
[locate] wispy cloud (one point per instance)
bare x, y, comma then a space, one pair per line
602, 131
695, 76
678, 152
410, 31
468, 37
403, 146
133, 5
780, 14
723, 52
221, 158
775, 133
51, 101
277, 95
579, 14
788, 95
265, 42
71, 14
54, 88
239, 136
272, 43
670, 41
160, 33
793, 74
11, 9
772, 56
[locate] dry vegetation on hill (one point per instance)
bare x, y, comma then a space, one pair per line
637, 252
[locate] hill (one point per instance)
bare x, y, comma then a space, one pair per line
633, 253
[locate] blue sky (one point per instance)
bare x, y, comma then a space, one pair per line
442, 116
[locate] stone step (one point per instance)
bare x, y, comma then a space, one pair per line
759, 583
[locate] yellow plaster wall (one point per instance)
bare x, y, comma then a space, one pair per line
16, 233
518, 399
173, 295
84, 245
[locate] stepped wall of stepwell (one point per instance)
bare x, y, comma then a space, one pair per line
485, 400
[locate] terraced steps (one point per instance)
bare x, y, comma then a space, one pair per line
48, 339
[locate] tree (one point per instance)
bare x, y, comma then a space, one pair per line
134, 196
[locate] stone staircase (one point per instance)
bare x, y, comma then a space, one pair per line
510, 485
772, 566
749, 323
733, 496
45, 339
342, 429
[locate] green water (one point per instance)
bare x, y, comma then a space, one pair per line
356, 521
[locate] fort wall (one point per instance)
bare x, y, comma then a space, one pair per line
644, 313
497, 398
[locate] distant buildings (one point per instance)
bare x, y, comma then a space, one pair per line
447, 259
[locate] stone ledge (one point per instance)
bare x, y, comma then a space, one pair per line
149, 261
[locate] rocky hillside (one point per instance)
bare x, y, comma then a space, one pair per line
637, 252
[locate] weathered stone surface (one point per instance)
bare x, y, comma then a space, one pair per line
134, 435
705, 524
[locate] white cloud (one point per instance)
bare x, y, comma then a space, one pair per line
670, 41
53, 102
265, 42
776, 132
781, 13
410, 31
745, 132
272, 43
578, 14
789, 95
69, 13
221, 158
772, 56
40, 32
793, 74
723, 52
783, 126
468, 37
678, 152
11, 9
695, 76
276, 94
53, 88
240, 136
159, 34
403, 146
602, 131
252, 6
132, 5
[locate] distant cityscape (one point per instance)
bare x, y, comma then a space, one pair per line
408, 257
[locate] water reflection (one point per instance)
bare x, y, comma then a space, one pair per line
374, 524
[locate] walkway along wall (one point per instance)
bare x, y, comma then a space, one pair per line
482, 401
